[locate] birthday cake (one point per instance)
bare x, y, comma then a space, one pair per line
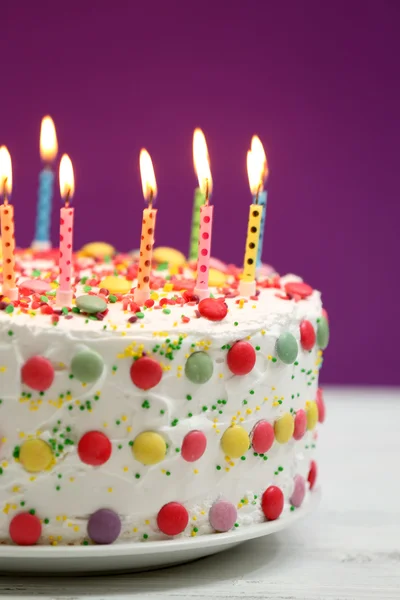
177, 417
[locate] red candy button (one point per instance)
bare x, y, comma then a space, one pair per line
172, 518
194, 445
307, 335
94, 448
272, 502
25, 529
38, 373
312, 474
213, 309
321, 406
263, 437
298, 288
241, 358
146, 373
300, 424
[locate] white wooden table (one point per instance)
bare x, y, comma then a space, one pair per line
349, 550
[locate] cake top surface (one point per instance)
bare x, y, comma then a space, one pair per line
103, 298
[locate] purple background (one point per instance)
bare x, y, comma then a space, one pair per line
317, 81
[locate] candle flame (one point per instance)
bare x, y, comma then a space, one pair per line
5, 172
48, 140
257, 167
67, 180
202, 162
149, 184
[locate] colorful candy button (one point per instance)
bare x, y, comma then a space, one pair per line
35, 456
272, 502
312, 474
104, 526
235, 442
312, 415
321, 405
298, 288
146, 372
97, 250
323, 332
222, 516
216, 278
173, 257
263, 437
173, 518
87, 366
149, 448
199, 367
241, 358
91, 304
37, 286
307, 335
94, 448
284, 428
116, 285
38, 373
286, 348
213, 309
299, 491
300, 424
25, 529
193, 446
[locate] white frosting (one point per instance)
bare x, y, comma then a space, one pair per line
271, 389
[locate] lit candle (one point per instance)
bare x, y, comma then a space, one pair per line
149, 185
7, 226
67, 187
198, 202
48, 152
256, 168
202, 166
258, 150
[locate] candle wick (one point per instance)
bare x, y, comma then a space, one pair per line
151, 197
207, 190
5, 197
67, 196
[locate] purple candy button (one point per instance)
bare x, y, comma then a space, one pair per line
222, 515
299, 491
104, 526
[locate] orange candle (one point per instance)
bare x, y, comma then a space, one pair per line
7, 226
149, 185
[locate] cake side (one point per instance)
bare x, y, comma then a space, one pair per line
144, 408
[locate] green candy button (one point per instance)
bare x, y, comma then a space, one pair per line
91, 304
87, 366
323, 333
199, 367
286, 348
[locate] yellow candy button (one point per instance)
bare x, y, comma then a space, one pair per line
35, 456
149, 448
235, 441
312, 415
163, 254
284, 428
216, 278
116, 285
97, 250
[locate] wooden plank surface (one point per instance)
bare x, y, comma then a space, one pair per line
348, 550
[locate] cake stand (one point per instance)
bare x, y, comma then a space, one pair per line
130, 557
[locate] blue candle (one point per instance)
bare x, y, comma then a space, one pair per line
262, 200
48, 152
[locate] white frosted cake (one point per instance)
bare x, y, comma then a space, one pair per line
177, 418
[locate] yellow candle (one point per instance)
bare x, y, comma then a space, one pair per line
256, 166
149, 185
7, 226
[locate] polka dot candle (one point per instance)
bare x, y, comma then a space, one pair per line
142, 292
7, 226
67, 184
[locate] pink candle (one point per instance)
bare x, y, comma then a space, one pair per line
67, 186
203, 261
202, 166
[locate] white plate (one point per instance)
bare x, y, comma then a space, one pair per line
138, 556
